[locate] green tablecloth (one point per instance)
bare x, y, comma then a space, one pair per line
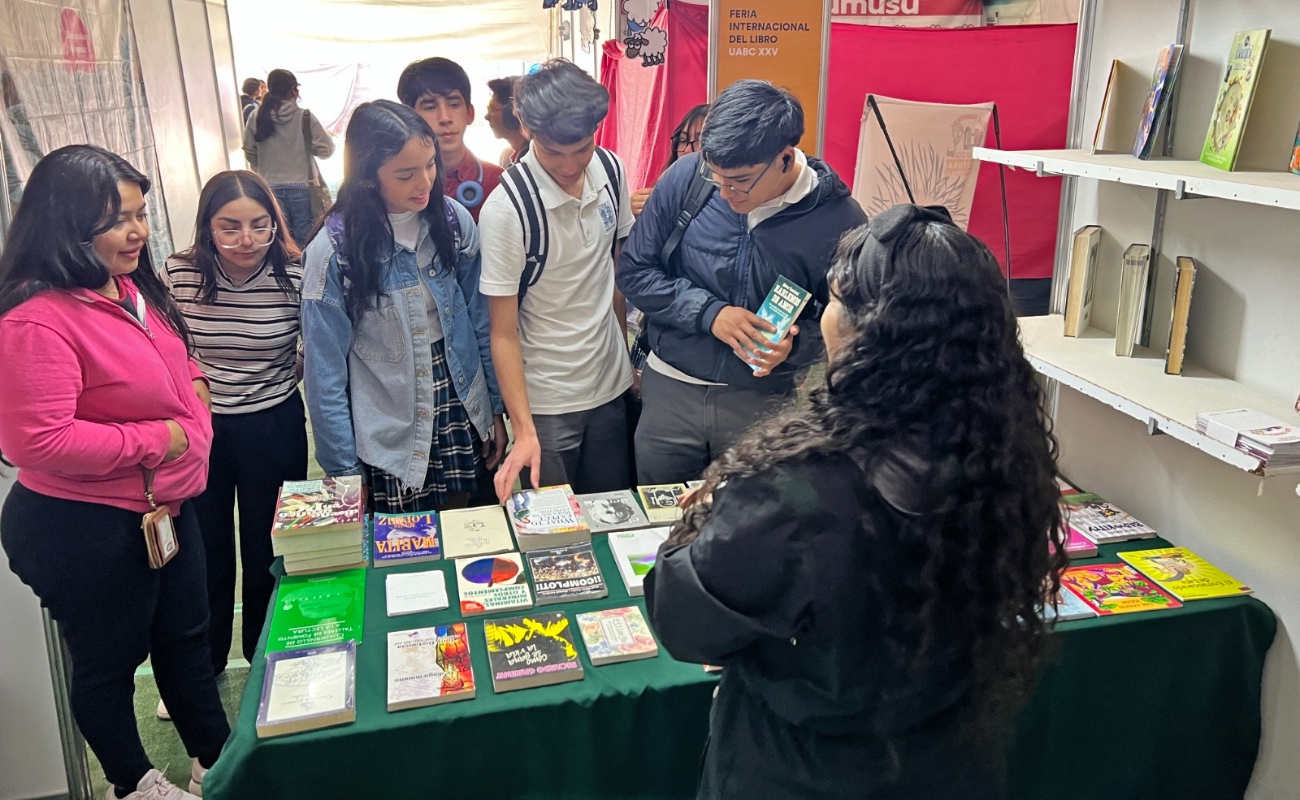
1159, 704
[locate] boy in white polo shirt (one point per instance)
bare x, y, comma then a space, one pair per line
557, 343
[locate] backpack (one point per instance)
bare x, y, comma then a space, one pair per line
521, 188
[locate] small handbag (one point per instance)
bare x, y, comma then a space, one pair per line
159, 532
317, 191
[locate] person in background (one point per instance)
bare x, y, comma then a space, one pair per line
277, 148
685, 140
254, 89
399, 375
238, 286
438, 89
501, 118
870, 571
103, 412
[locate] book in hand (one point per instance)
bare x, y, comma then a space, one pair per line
612, 511
1159, 99
316, 610
1066, 606
1267, 438
531, 650
1184, 574
661, 500
566, 573
634, 554
415, 592
548, 517
1184, 279
1102, 522
1083, 277
491, 584
305, 690
1132, 298
1116, 589
781, 307
1236, 93
318, 506
429, 666
406, 538
616, 634
479, 531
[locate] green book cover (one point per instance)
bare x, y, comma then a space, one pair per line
782, 307
1228, 123
316, 610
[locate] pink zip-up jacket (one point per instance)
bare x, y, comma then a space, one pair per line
85, 392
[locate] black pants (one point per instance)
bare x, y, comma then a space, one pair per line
252, 454
87, 564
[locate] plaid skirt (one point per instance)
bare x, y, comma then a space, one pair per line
453, 460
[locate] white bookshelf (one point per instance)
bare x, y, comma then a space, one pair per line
1138, 386
1183, 178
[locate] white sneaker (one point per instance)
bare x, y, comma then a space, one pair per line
153, 786
197, 773
162, 712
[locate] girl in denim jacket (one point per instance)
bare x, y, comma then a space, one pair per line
399, 378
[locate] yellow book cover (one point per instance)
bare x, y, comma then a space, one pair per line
1184, 574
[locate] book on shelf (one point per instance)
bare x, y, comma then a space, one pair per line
415, 592
548, 517
531, 650
1294, 166
491, 584
1159, 100
406, 538
480, 531
782, 306
1255, 433
1116, 589
429, 666
305, 690
1132, 298
1236, 94
634, 554
318, 506
566, 573
612, 511
614, 635
1083, 278
1184, 574
1184, 279
1066, 606
1102, 522
316, 610
661, 500
1105, 119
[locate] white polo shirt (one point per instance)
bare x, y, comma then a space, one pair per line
575, 357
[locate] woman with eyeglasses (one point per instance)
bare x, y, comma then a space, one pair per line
685, 140
238, 288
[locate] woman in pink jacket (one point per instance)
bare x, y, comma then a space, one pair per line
99, 397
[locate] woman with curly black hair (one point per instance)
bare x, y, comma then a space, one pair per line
869, 570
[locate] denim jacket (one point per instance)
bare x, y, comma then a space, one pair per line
368, 382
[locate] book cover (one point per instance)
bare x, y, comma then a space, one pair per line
406, 538
1102, 522
1184, 574
316, 610
566, 573
1295, 153
548, 517
1105, 119
415, 592
480, 531
634, 554
1067, 606
531, 650
318, 506
1159, 99
1236, 92
1132, 298
308, 689
1116, 589
616, 634
429, 666
1184, 279
489, 584
660, 502
1077, 545
782, 307
612, 511
1083, 278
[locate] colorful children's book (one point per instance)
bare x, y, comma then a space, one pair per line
782, 307
1295, 153
1102, 522
316, 610
429, 666
612, 511
1067, 606
566, 573
1184, 574
479, 531
1159, 99
491, 584
616, 634
549, 517
1116, 589
531, 650
304, 690
318, 506
406, 538
634, 554
1236, 91
660, 502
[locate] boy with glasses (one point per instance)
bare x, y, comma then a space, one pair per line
774, 212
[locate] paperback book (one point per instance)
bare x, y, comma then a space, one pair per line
1083, 277
305, 690
1116, 589
634, 554
1102, 522
1255, 433
415, 592
491, 584
1079, 546
566, 573
316, 610
480, 531
616, 634
1184, 279
531, 650
1159, 99
660, 502
1067, 606
1132, 298
429, 666
549, 517
612, 511
406, 539
782, 307
1236, 93
318, 506
1184, 574
306, 546
1295, 154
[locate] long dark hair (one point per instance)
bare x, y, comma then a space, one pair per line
203, 255
72, 197
280, 86
695, 116
376, 133
929, 384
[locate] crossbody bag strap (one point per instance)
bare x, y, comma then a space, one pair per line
698, 192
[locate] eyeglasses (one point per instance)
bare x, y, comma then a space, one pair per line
230, 239
731, 187
684, 140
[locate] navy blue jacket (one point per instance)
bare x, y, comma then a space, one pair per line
720, 262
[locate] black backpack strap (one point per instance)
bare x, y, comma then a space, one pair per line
614, 172
521, 187
698, 192
453, 222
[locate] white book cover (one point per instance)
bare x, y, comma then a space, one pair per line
428, 666
416, 592
491, 584
308, 689
478, 531
613, 511
1229, 426
634, 555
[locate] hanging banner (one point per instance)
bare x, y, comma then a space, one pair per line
911, 13
783, 41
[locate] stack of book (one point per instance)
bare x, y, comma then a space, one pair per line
317, 525
1266, 438
546, 518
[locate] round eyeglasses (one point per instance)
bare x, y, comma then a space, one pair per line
230, 239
